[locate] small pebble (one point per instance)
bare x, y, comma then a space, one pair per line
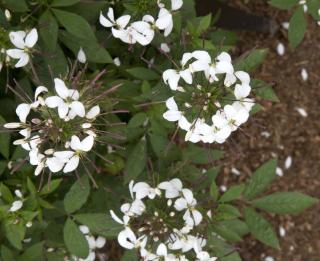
288, 162
235, 172
280, 49
282, 231
304, 74
302, 112
279, 171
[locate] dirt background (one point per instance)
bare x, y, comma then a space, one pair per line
290, 134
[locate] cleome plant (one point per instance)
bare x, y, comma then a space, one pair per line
113, 118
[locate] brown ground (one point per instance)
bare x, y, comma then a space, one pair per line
291, 134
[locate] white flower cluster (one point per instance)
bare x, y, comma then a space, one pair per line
161, 221
143, 31
209, 84
53, 140
24, 42
94, 244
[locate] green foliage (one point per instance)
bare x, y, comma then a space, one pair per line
261, 179
75, 240
285, 202
283, 4
251, 60
297, 27
260, 228
77, 195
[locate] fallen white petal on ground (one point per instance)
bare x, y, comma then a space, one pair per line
302, 112
265, 134
279, 171
304, 74
235, 171
269, 258
280, 49
282, 231
288, 162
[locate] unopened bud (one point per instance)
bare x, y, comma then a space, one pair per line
7, 14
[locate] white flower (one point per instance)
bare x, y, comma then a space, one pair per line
142, 32
143, 190
16, 205
136, 208
82, 58
172, 188
23, 42
127, 239
66, 101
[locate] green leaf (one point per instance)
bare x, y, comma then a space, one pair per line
94, 52
136, 161
143, 73
260, 228
6, 253
77, 195
64, 2
313, 7
48, 30
226, 233
4, 140
231, 257
226, 212
232, 193
214, 191
17, 6
75, 25
261, 179
283, 4
137, 120
14, 233
32, 189
252, 60
297, 27
75, 241
204, 23
34, 252
285, 202
50, 187
6, 193
100, 223
129, 255
240, 227
264, 90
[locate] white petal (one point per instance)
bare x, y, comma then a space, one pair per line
31, 38
104, 21
17, 39
243, 77
172, 115
187, 76
16, 205
188, 195
73, 94
53, 101
162, 250
185, 58
127, 238
24, 60
39, 168
87, 143
171, 77
82, 58
72, 164
54, 164
39, 90
180, 204
242, 91
176, 4
123, 21
230, 79
197, 217
225, 57
202, 56
184, 123
168, 29
171, 104
23, 111
64, 155
93, 112
115, 217
164, 19
110, 14
78, 108
224, 67
84, 229
15, 53
75, 143
63, 110
199, 66
100, 242
61, 88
